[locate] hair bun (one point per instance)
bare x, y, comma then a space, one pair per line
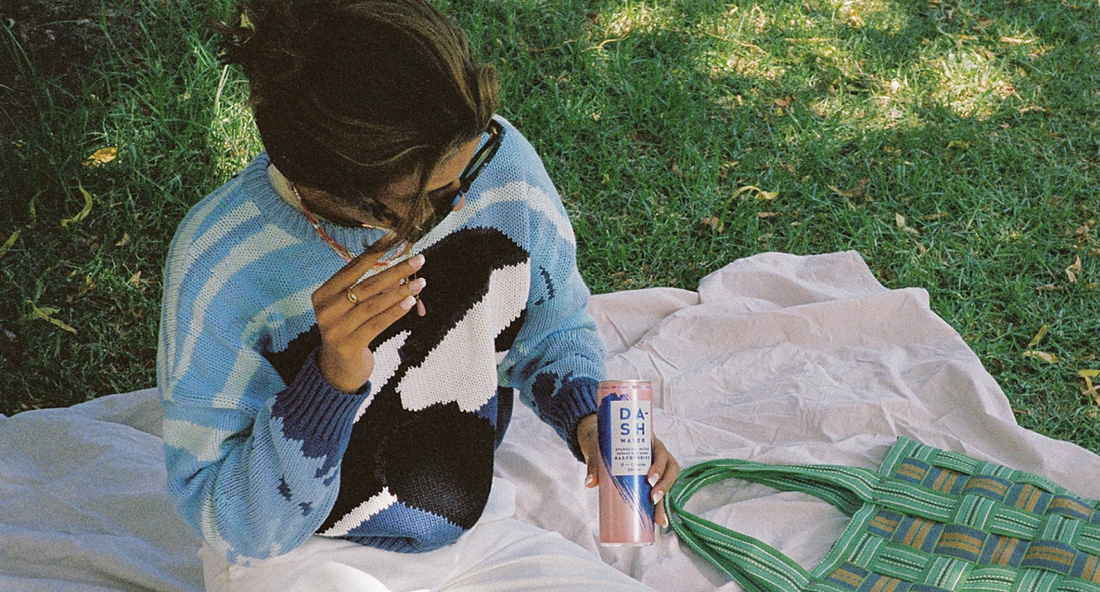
267, 39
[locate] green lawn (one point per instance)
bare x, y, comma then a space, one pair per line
955, 145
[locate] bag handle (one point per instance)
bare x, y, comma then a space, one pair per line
756, 566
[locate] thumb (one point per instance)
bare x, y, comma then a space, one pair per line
593, 477
588, 441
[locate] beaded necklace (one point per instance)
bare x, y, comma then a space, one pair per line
341, 250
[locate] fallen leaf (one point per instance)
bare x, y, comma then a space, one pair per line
785, 101
1015, 40
856, 192
125, 239
763, 215
758, 192
9, 243
46, 315
1044, 356
900, 221
1031, 108
715, 224
1074, 270
136, 279
101, 157
1090, 390
1038, 336
84, 212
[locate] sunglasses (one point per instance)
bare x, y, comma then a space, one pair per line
444, 202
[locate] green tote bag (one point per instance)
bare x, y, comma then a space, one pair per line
928, 520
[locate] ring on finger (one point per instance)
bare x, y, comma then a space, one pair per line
352, 298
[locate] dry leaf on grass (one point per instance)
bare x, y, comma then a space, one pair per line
101, 157
1074, 271
900, 221
1038, 336
84, 212
1044, 356
46, 314
856, 192
1090, 390
715, 224
758, 192
9, 243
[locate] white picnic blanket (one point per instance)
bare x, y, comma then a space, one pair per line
777, 358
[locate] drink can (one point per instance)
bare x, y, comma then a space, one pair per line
626, 447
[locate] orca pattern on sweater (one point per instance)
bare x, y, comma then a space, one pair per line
262, 452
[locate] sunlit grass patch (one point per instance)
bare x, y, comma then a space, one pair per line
638, 17
971, 81
886, 16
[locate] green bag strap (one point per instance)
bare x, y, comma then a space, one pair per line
756, 566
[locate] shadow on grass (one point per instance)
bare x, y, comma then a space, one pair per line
144, 82
954, 144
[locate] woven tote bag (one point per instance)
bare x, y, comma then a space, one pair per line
928, 521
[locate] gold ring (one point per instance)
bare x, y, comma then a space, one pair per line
352, 298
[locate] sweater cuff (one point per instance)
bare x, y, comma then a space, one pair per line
316, 413
575, 400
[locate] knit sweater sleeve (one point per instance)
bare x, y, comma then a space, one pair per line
253, 462
557, 359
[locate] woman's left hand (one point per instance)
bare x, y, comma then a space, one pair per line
662, 474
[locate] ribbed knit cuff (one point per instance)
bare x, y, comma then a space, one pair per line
575, 400
316, 413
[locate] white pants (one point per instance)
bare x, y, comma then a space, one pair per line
499, 554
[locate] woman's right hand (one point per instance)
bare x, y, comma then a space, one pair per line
349, 323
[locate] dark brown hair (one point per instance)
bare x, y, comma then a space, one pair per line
352, 95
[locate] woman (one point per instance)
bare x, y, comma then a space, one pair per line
316, 427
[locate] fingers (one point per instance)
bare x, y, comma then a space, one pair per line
588, 441
347, 280
384, 281
373, 315
347, 276
661, 476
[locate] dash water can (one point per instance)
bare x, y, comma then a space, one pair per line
626, 447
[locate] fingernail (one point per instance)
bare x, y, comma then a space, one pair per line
657, 495
417, 285
417, 262
653, 479
589, 480
407, 303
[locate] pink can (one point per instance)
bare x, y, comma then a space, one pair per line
626, 447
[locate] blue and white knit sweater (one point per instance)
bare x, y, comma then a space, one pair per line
262, 452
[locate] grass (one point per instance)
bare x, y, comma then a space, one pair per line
954, 144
